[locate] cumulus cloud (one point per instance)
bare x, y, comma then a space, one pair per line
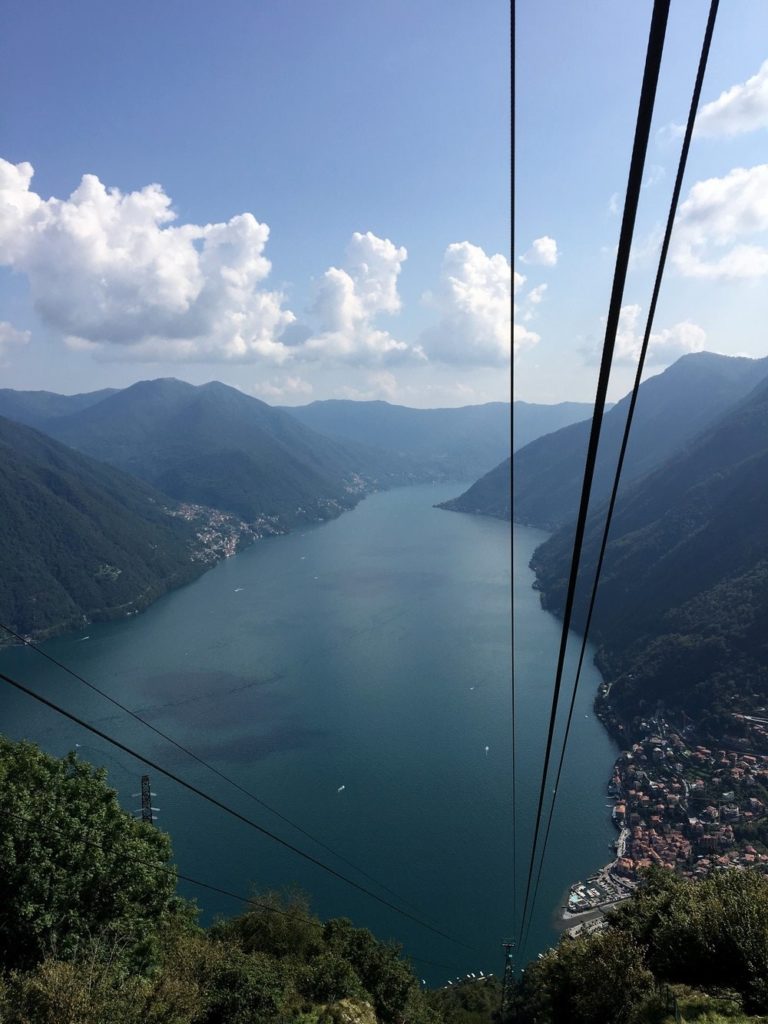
613, 204
10, 335
664, 346
543, 252
474, 300
349, 299
110, 269
716, 215
740, 109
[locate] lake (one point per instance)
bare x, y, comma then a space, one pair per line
370, 653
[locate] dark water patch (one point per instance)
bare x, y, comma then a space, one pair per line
247, 749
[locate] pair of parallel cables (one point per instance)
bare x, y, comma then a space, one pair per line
642, 132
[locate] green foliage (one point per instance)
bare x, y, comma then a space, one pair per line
589, 980
242, 987
73, 864
709, 936
281, 925
328, 978
708, 933
471, 1002
383, 974
92, 987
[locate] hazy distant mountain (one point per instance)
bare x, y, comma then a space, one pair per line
491, 495
80, 539
683, 609
35, 408
533, 420
453, 443
216, 446
672, 408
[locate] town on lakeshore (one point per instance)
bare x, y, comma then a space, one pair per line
691, 808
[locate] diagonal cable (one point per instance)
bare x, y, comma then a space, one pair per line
195, 757
10, 681
642, 132
250, 901
631, 410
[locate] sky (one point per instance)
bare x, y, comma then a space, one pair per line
312, 201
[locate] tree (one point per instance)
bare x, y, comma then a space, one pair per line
73, 863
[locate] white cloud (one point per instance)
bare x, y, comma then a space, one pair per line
533, 300
113, 270
613, 204
742, 108
380, 385
654, 175
525, 339
10, 335
277, 389
474, 299
543, 251
349, 299
664, 346
715, 216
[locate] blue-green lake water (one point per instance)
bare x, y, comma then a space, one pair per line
371, 653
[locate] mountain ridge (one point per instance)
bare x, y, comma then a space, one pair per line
673, 407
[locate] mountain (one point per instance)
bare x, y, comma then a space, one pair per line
682, 614
491, 495
82, 540
35, 408
534, 420
215, 446
456, 444
672, 409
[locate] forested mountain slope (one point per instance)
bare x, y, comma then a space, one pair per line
672, 409
683, 604
216, 446
491, 495
81, 540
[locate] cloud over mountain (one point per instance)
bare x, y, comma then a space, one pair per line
349, 299
713, 221
664, 346
108, 268
10, 335
474, 302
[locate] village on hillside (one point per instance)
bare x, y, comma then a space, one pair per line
690, 808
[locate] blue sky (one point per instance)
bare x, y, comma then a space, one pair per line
579, 71
358, 132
